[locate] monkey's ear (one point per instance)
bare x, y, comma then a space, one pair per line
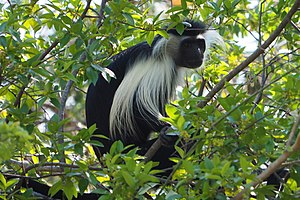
212, 37
187, 28
187, 24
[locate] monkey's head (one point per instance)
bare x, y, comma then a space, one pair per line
188, 49
191, 52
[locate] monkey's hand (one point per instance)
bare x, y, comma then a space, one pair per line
168, 136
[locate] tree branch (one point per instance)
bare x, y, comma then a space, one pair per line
47, 51
48, 166
152, 150
69, 84
258, 97
23, 88
87, 7
253, 56
295, 27
277, 163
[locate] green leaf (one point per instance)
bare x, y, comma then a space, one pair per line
148, 166
3, 90
3, 41
3, 27
70, 76
180, 28
180, 151
208, 163
44, 73
225, 103
130, 163
11, 183
92, 129
3, 182
234, 3
174, 9
188, 166
244, 164
92, 178
146, 188
105, 197
231, 90
227, 3
172, 195
55, 102
146, 178
116, 147
171, 111
77, 27
82, 185
65, 40
96, 143
128, 178
67, 65
180, 123
69, 189
212, 176
66, 20
183, 4
163, 33
97, 67
92, 75
225, 168
78, 148
215, 6
129, 18
55, 188
150, 37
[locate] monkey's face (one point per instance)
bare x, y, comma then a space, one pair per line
190, 52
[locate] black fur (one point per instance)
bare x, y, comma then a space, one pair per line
196, 29
100, 97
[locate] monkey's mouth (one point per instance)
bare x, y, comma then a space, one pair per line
194, 63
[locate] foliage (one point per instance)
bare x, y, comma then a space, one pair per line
13, 139
46, 47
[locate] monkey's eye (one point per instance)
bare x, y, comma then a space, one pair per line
201, 44
186, 45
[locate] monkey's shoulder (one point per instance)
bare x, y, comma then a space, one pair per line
136, 51
126, 58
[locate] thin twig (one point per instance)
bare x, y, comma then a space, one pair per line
264, 71
291, 163
152, 150
249, 98
202, 86
47, 51
23, 88
293, 131
45, 166
69, 84
252, 57
276, 164
245, 27
295, 27
87, 7
218, 121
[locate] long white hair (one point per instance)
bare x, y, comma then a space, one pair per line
151, 83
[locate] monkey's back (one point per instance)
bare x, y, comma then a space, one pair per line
100, 96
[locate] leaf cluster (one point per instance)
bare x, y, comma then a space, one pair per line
46, 46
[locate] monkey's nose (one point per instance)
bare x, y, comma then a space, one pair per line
199, 50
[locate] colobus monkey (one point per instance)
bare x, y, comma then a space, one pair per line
128, 108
